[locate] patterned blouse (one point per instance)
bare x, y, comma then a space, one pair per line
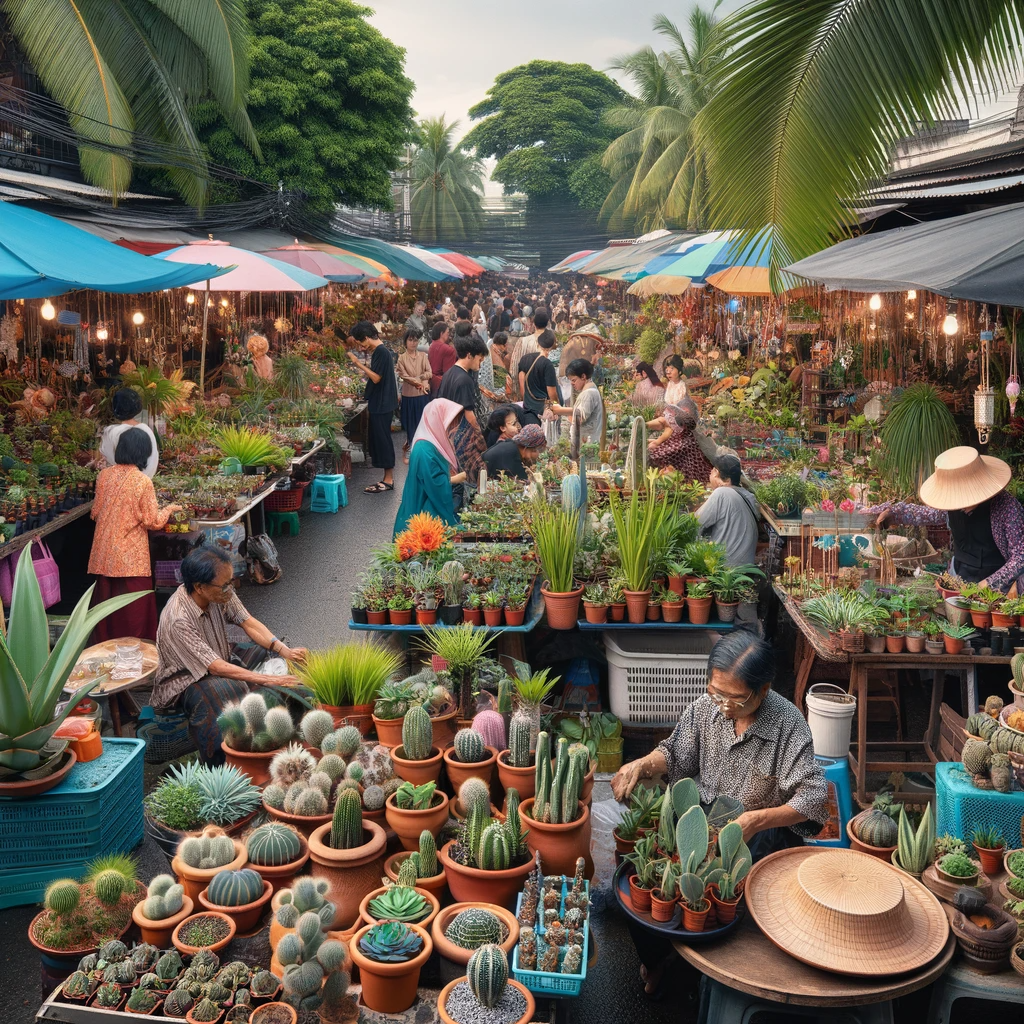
125, 510
771, 764
1007, 531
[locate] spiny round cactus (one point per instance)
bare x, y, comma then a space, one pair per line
264, 983
417, 734
373, 798
329, 744
976, 756
469, 746
235, 888
474, 795
279, 726
350, 739
876, 828
273, 796
287, 915
274, 844
62, 896
407, 872
493, 853
332, 766
321, 781
162, 905
487, 974
345, 785
315, 725
519, 741
475, 927
207, 851
390, 785
347, 825
293, 764
254, 710
108, 887
310, 803
355, 771
427, 862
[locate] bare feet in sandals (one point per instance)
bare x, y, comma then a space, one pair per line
379, 488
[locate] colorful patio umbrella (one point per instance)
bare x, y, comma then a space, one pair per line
747, 268
42, 256
562, 266
372, 268
659, 263
439, 264
305, 257
615, 262
659, 284
460, 261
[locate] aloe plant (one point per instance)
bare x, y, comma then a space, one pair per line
914, 849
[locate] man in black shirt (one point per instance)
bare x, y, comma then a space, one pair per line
381, 401
513, 456
538, 380
458, 384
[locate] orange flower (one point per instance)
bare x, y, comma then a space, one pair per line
429, 531
406, 546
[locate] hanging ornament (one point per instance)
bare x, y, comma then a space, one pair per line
985, 396
1013, 381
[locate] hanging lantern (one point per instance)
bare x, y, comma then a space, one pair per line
1013, 391
984, 412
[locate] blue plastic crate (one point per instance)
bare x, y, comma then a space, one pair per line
541, 982
74, 821
961, 807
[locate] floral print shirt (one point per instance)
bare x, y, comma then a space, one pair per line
125, 511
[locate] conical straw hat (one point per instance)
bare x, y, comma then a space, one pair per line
846, 912
962, 478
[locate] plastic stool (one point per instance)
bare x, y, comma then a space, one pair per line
722, 1005
277, 520
324, 494
963, 982
838, 802
342, 490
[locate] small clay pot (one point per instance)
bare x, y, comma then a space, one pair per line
522, 780
442, 1001
636, 605
695, 920
474, 885
158, 933
595, 612
417, 772
991, 860
617, 611
408, 825
640, 898
389, 731
459, 771
562, 609
390, 987
263, 1013
252, 763
724, 910
663, 910
183, 947
400, 616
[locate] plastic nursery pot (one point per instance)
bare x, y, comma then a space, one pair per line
474, 616
458, 771
881, 852
450, 614
492, 616
514, 616
636, 605
953, 645
640, 898
444, 728
436, 885
280, 876
254, 764
981, 620
195, 880
408, 825
389, 731
617, 611
247, 915
522, 780
915, 643
934, 646
672, 611
442, 1002
595, 612
725, 910
1003, 621
426, 616
366, 915
894, 644
358, 616
274, 1013
377, 618
302, 824
653, 611
726, 610
559, 845
158, 933
663, 910
417, 772
474, 885
562, 609
400, 616
350, 874
456, 954
699, 610
390, 987
183, 947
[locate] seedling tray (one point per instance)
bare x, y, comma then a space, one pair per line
541, 982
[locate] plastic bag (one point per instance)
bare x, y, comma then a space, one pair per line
274, 667
229, 539
261, 559
606, 814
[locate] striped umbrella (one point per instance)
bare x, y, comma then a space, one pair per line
334, 268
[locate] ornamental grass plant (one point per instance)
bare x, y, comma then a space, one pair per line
638, 524
348, 674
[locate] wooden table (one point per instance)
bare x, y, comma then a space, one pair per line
58, 522
748, 962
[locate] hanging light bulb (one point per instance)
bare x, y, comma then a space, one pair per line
102, 334
190, 299
950, 325
911, 295
138, 319
47, 312
223, 303
875, 302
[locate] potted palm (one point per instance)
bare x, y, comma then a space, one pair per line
698, 602
555, 534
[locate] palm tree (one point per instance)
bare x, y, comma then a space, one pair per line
815, 95
447, 186
126, 71
657, 165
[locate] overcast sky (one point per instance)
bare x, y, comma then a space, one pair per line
455, 48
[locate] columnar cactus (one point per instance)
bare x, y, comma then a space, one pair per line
542, 775
207, 851
235, 888
62, 897
519, 741
273, 844
164, 900
493, 853
426, 863
514, 825
407, 872
469, 747
315, 725
487, 974
347, 826
417, 734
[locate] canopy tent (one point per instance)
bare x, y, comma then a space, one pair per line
251, 271
371, 268
437, 263
469, 266
314, 261
659, 263
41, 256
400, 260
977, 256
659, 284
495, 263
562, 266
615, 262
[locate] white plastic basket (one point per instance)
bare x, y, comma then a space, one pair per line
653, 677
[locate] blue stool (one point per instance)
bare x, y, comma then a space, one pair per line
326, 493
277, 520
838, 801
721, 1005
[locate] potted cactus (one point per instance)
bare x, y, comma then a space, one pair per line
264, 987
205, 1011
486, 995
990, 846
177, 1003
252, 734
417, 760
143, 1001
164, 908
289, 905
429, 874
208, 929
393, 701
278, 852
242, 895
78, 987
389, 956
109, 996
461, 929
200, 857
411, 809
400, 901
516, 764
469, 757
348, 853
314, 968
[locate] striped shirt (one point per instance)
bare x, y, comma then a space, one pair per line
189, 640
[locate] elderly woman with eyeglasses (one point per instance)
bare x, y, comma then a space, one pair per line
744, 740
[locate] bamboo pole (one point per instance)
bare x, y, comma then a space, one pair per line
202, 357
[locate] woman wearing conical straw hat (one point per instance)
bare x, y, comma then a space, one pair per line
968, 493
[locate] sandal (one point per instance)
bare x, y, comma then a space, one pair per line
378, 488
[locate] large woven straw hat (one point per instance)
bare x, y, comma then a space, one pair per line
963, 477
846, 912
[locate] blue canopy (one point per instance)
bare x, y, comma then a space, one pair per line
41, 256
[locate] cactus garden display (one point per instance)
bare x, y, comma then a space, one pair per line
486, 995
558, 790
251, 726
273, 845
483, 842
164, 899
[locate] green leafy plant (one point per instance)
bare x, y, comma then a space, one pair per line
415, 798
988, 838
637, 526
349, 673
644, 860
729, 582
251, 447
463, 648
914, 848
399, 903
701, 558
555, 534
393, 700
292, 375
955, 631
918, 428
959, 865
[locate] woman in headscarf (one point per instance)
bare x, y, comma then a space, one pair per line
446, 450
649, 389
676, 447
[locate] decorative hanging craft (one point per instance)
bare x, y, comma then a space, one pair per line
1013, 381
985, 396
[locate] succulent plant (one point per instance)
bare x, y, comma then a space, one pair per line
144, 956
519, 740
474, 794
373, 798
234, 975
273, 796
315, 725
407, 875
390, 942
108, 887
62, 896
249, 725
150, 980
308, 959
417, 734
213, 849
206, 1010
168, 967
415, 798
235, 888
292, 764
307, 894
491, 727
493, 853
399, 903
469, 747
164, 900
108, 994
347, 824
426, 856
332, 766
113, 950
475, 927
958, 864
273, 844
177, 1003
914, 848
487, 974
123, 972
77, 985
876, 828
142, 1000
263, 983
573, 960
88, 962
344, 742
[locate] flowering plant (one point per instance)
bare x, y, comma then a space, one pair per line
425, 534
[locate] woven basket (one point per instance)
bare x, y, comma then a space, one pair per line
284, 501
1017, 958
852, 643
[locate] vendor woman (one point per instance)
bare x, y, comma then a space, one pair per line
967, 493
744, 740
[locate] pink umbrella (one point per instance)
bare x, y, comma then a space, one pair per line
466, 264
334, 268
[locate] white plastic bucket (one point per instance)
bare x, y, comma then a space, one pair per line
830, 711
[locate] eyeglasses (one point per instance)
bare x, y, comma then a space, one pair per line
728, 702
224, 588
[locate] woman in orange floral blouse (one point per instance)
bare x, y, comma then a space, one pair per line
125, 510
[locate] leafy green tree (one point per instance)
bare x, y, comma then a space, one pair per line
816, 94
447, 184
329, 101
129, 68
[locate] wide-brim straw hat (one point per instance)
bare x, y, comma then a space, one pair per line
846, 912
964, 477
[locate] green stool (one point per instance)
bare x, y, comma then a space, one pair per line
277, 520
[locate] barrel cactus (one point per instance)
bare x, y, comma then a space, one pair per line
348, 740
164, 900
876, 828
519, 741
108, 887
976, 756
347, 825
417, 734
235, 888
273, 844
469, 747
177, 1003
273, 796
487, 974
332, 766
321, 781
310, 802
475, 927
62, 896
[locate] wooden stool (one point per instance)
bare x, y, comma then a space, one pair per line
277, 520
963, 982
722, 1005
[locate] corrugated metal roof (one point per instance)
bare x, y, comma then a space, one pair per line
958, 188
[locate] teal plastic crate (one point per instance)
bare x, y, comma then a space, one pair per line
541, 982
961, 807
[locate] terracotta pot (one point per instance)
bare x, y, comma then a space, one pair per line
400, 616
459, 772
981, 620
359, 715
695, 920
444, 729
144, 1013
389, 731
34, 787
351, 874
663, 910
562, 609
474, 616
246, 916
636, 604
297, 821
894, 644
954, 645
618, 611
595, 612
622, 845
522, 780
915, 644
195, 880
726, 610
653, 611
255, 765
262, 1013
894, 861
724, 910
183, 947
456, 954
881, 852
366, 915
408, 825
699, 610
588, 782
426, 616
280, 876
390, 988
514, 616
492, 616
640, 898
1002, 620
1006, 863
376, 618
675, 584
437, 884
158, 933
672, 611
559, 845
417, 772
473, 885
875, 644
442, 1000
